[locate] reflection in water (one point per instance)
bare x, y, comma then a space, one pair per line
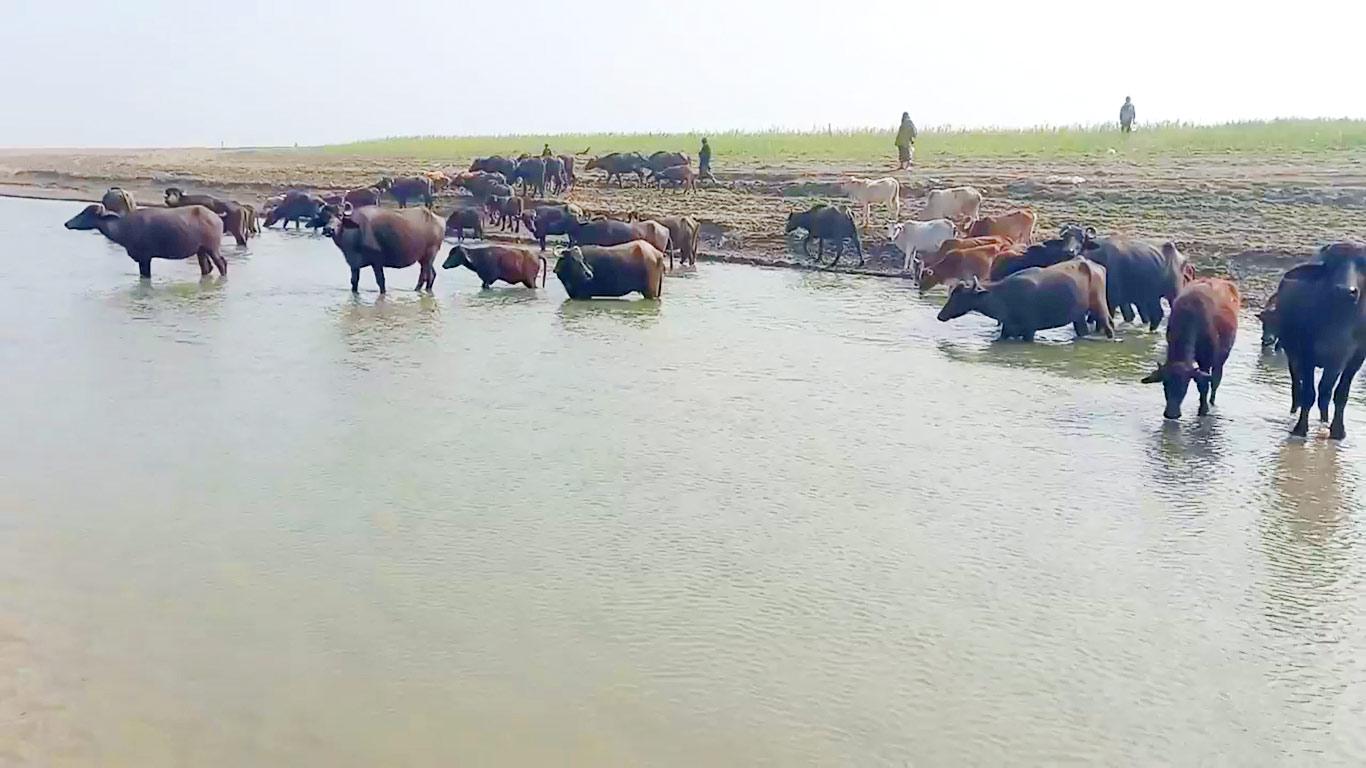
385, 326
1302, 527
1125, 360
1187, 457
577, 315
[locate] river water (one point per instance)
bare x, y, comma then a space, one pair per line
779, 517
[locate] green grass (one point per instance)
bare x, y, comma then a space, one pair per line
1275, 137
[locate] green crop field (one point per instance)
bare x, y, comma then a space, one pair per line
1271, 138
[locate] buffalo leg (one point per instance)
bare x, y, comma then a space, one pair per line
1291, 364
1127, 311
805, 241
1203, 387
355, 279
1338, 430
839, 250
145, 267
1305, 382
1081, 327
1331, 374
204, 266
1216, 378
379, 276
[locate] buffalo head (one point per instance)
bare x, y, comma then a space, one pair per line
90, 217
385, 183
459, 257
173, 195
964, 298
796, 220
572, 270
1175, 378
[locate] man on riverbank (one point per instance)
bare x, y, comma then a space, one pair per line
905, 138
1127, 113
704, 162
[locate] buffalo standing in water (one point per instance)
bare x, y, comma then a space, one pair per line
160, 233
1200, 335
1035, 299
377, 238
235, 218
499, 262
588, 271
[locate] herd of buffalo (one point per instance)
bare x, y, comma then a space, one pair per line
993, 265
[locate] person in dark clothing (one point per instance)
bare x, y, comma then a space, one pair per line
545, 151
905, 139
1126, 116
704, 162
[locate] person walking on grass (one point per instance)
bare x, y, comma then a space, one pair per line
704, 162
905, 139
1126, 116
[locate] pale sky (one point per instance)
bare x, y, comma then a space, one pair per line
248, 72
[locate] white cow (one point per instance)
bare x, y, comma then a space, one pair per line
866, 192
954, 204
915, 237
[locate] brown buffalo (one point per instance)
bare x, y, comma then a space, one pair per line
613, 232
1200, 335
683, 236
1035, 299
681, 176
499, 262
234, 216
118, 200
506, 212
615, 270
160, 233
377, 238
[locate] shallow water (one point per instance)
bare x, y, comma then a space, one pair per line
779, 517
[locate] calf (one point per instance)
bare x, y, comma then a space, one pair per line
868, 192
915, 237
462, 219
1200, 335
1036, 299
681, 176
1016, 226
823, 222
499, 262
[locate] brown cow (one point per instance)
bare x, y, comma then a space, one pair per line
1200, 335
499, 262
962, 264
1016, 226
954, 244
234, 215
683, 235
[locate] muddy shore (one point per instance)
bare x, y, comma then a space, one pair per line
1245, 216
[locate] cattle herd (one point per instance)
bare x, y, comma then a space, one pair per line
992, 265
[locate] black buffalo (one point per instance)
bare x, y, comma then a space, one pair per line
530, 173
494, 164
1067, 245
823, 222
1139, 275
1035, 299
619, 164
298, 207
590, 270
662, 160
1322, 324
408, 188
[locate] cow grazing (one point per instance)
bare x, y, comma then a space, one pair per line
1322, 324
160, 233
407, 188
118, 200
962, 264
1016, 226
1066, 246
1139, 274
462, 219
1036, 299
869, 192
823, 222
377, 238
499, 262
619, 164
917, 237
234, 216
955, 204
593, 270
1200, 335
299, 207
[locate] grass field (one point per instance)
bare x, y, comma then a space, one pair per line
1271, 138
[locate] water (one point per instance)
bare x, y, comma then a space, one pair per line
779, 517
